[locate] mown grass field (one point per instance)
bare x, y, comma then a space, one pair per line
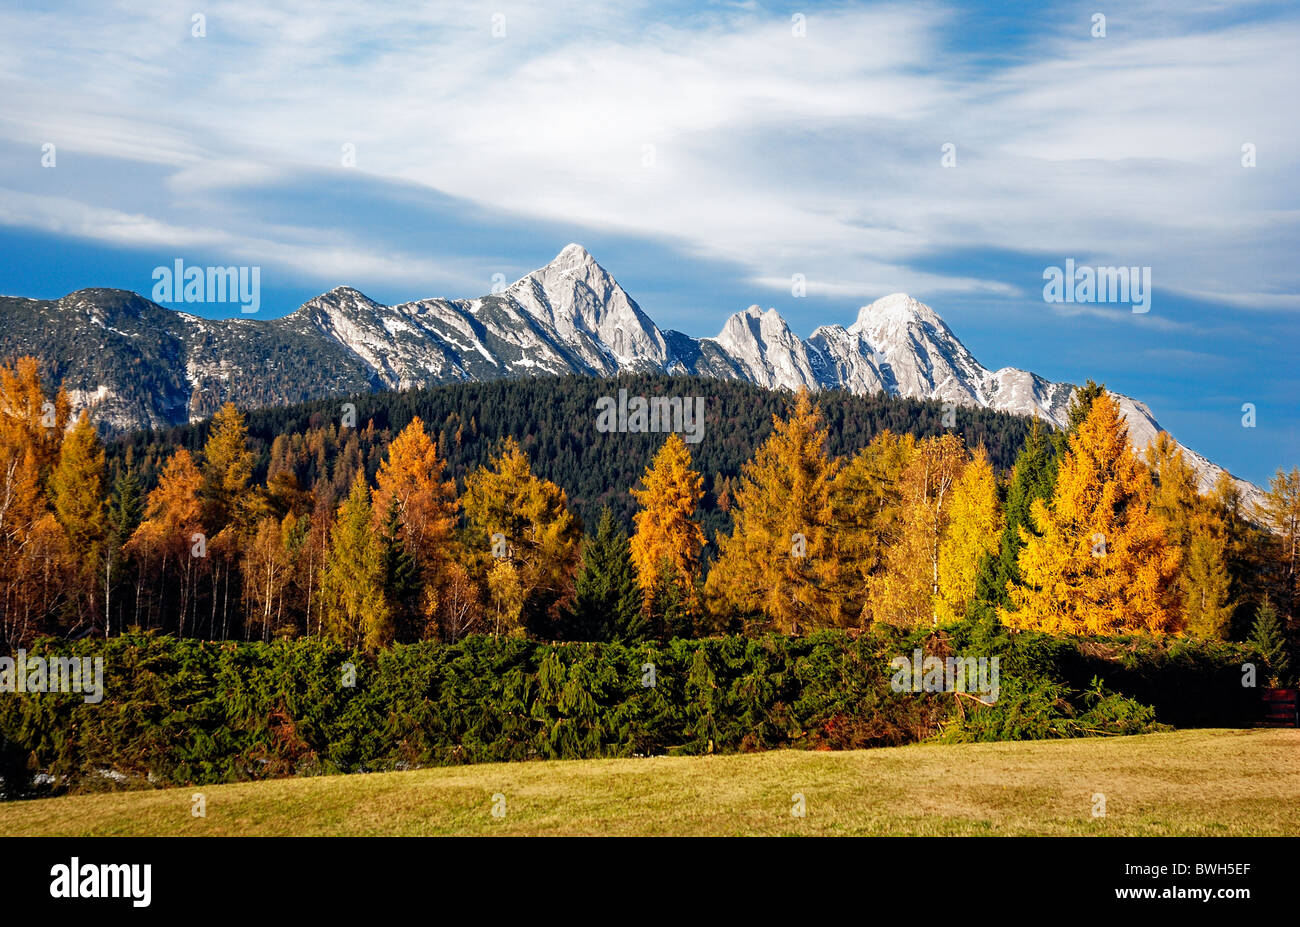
1206, 782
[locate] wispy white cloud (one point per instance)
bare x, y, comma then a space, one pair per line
315, 257
722, 131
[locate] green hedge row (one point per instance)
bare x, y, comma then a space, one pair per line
195, 712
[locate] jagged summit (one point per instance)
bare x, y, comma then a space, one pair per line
752, 322
569, 316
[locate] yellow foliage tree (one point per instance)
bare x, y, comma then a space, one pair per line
780, 560
537, 532
33, 545
506, 595
865, 500
973, 530
28, 419
1197, 531
267, 570
169, 542
1099, 562
1280, 511
352, 587
905, 592
77, 486
667, 536
227, 472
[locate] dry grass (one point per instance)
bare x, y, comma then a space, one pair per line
1189, 782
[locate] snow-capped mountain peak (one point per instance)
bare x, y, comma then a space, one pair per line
895, 309
578, 298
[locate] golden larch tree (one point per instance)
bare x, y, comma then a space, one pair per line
1197, 531
77, 486
780, 560
865, 501
355, 611
906, 590
973, 530
1099, 562
1280, 511
513, 515
411, 475
667, 536
77, 494
29, 419
169, 544
227, 473
33, 545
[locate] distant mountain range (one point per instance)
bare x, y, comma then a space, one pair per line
139, 365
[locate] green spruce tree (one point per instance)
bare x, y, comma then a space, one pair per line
125, 509
1269, 638
1035, 478
402, 584
669, 605
607, 603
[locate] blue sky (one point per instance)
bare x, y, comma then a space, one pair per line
703, 154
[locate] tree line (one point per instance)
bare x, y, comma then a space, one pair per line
552, 418
1079, 535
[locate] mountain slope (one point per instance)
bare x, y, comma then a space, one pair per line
138, 365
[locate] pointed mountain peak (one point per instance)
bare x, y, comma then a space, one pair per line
895, 308
343, 300
573, 263
574, 259
574, 252
587, 307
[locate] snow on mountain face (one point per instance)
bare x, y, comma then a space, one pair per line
570, 316
925, 358
766, 350
902, 346
585, 306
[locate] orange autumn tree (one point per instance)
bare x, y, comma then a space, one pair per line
169, 546
1280, 511
232, 507
33, 545
780, 560
28, 418
411, 478
667, 538
1199, 533
1097, 561
77, 493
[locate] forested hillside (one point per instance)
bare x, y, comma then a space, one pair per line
553, 418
